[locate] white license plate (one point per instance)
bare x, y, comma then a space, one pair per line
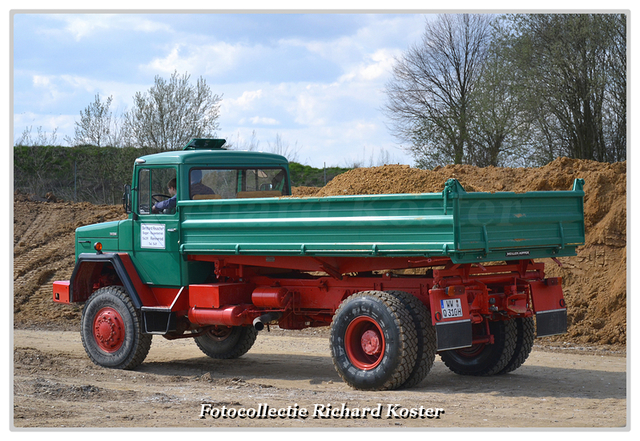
451, 308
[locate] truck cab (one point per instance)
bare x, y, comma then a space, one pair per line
204, 170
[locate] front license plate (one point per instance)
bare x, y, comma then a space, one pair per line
451, 308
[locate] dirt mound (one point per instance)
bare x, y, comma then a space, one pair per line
594, 281
43, 251
303, 191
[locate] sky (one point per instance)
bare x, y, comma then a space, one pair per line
315, 81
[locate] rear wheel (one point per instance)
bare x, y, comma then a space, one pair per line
426, 332
526, 334
111, 331
373, 341
484, 359
224, 342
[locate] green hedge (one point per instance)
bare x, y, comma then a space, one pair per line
98, 174
83, 173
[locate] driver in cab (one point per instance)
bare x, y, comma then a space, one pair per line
168, 204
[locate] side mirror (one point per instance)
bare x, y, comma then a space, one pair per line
126, 199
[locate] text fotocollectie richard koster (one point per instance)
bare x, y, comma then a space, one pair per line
321, 411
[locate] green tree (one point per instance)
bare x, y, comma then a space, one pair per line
575, 66
500, 126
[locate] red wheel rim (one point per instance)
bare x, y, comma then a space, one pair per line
108, 330
364, 343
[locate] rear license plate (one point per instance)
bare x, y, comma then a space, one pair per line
451, 308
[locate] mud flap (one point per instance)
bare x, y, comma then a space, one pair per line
549, 306
450, 316
453, 335
551, 322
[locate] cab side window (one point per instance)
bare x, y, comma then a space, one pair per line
211, 183
154, 188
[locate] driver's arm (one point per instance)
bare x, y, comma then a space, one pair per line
163, 205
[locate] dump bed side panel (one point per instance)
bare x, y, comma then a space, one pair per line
505, 226
382, 225
468, 227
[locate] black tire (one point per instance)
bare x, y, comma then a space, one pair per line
225, 342
526, 334
111, 331
427, 347
373, 341
484, 359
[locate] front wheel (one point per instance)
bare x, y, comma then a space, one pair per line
111, 331
373, 341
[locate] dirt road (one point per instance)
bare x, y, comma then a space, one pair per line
291, 374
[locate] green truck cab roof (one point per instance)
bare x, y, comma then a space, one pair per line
210, 152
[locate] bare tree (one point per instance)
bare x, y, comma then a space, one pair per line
430, 93
279, 146
384, 158
240, 144
95, 125
41, 137
283, 148
172, 112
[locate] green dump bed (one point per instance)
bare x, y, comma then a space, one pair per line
467, 227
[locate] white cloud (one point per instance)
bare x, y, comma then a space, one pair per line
336, 52
61, 86
373, 67
209, 59
309, 106
235, 109
41, 81
55, 101
81, 26
368, 53
47, 89
261, 120
246, 100
79, 83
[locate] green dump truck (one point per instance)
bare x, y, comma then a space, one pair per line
398, 278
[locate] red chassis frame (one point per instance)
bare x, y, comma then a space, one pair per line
250, 286
305, 291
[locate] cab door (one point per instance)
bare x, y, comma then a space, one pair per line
156, 234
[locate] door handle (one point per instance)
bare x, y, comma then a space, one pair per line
171, 230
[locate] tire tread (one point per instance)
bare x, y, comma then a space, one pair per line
426, 343
408, 339
142, 342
